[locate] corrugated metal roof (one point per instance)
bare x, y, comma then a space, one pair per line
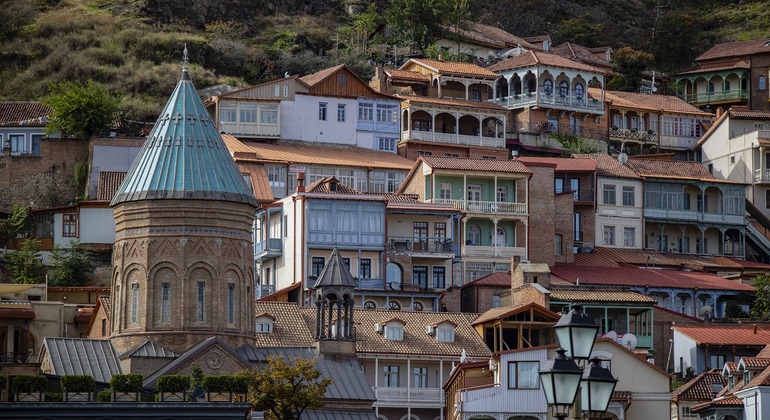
727, 335
150, 349
184, 157
77, 356
471, 164
338, 415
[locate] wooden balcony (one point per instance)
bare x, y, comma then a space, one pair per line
713, 97
251, 130
452, 138
694, 216
424, 397
553, 100
486, 207
422, 247
272, 248
493, 251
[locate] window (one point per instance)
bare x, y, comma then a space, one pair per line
276, 176
496, 301
268, 115
523, 375
365, 112
629, 236
451, 155
365, 268
390, 376
386, 113
228, 113
439, 230
386, 144
445, 191
420, 375
395, 332
420, 276
474, 235
548, 87
579, 90
165, 305
446, 335
711, 87
424, 153
285, 91
577, 227
231, 303
716, 361
686, 197
727, 85
502, 194
394, 306
322, 111
563, 88
317, 265
475, 95
346, 261
248, 113
608, 195
134, 303
558, 185
439, 277
277, 90
341, 113
420, 231
762, 84
558, 244
474, 193
628, 195
609, 235
264, 327
201, 301
69, 225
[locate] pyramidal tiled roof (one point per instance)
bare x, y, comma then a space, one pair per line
335, 273
184, 157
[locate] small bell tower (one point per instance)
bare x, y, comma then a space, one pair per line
335, 330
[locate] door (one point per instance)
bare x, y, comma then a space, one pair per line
474, 197
500, 237
574, 186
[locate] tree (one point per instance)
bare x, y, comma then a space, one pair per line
580, 31
80, 109
21, 222
574, 144
285, 389
72, 264
25, 265
418, 22
628, 65
760, 307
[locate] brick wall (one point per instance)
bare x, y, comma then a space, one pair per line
563, 225
663, 320
760, 66
416, 184
541, 215
452, 300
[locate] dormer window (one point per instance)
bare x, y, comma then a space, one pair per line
264, 323
444, 331
394, 332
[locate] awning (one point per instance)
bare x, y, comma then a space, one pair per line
9, 289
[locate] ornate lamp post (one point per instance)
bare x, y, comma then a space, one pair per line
576, 333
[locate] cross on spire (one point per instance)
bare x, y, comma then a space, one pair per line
184, 57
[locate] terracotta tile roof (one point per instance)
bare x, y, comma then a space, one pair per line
596, 294
20, 312
736, 49
745, 112
492, 280
289, 327
726, 335
618, 257
24, 113
608, 166
652, 167
705, 67
532, 58
84, 315
701, 388
765, 352
488, 35
754, 362
470, 164
312, 79
108, 185
106, 304
762, 379
582, 54
503, 312
410, 202
453, 68
322, 186
287, 152
729, 401
413, 76
632, 276
538, 38
562, 164
659, 103
259, 183
731, 366
452, 102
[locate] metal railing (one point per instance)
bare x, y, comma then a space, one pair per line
631, 134
548, 128
14, 357
426, 245
401, 394
265, 290
551, 99
272, 245
487, 207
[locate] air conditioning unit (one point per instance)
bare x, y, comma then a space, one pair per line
379, 328
430, 330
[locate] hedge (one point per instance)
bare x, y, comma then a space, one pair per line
126, 383
78, 383
174, 383
104, 396
29, 383
240, 383
217, 383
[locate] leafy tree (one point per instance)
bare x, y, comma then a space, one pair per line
285, 389
71, 264
574, 144
418, 22
628, 65
25, 265
80, 109
21, 221
760, 307
580, 31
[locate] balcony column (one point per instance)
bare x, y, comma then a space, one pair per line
494, 237
408, 384
481, 128
10, 344
624, 120
702, 241
761, 164
467, 86
438, 85
409, 121
457, 127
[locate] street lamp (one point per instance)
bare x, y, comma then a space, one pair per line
576, 333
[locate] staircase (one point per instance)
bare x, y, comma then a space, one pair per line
758, 231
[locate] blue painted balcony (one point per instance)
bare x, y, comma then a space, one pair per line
272, 248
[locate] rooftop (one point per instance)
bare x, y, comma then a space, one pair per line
658, 103
562, 164
33, 114
471, 164
452, 68
736, 49
608, 166
702, 387
532, 58
726, 335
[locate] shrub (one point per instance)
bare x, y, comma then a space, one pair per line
217, 383
240, 383
174, 383
78, 383
53, 397
29, 383
104, 396
126, 383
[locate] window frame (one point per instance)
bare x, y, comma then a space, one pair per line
70, 225
514, 374
609, 193
322, 111
341, 110
628, 193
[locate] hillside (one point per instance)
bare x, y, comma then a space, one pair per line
134, 46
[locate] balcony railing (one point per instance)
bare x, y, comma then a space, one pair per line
452, 138
272, 246
370, 284
695, 216
257, 130
550, 99
632, 135
493, 251
708, 97
428, 245
583, 194
265, 290
433, 396
487, 207
761, 175
548, 128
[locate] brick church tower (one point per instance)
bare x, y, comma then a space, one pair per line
183, 256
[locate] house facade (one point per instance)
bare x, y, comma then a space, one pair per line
698, 348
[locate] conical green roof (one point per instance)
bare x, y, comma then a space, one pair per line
184, 157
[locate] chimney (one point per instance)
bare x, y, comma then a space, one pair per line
300, 182
515, 261
754, 328
720, 111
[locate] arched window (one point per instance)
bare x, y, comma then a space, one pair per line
394, 306
762, 85
531, 85
563, 88
370, 305
579, 91
501, 237
711, 87
417, 306
395, 276
727, 85
548, 87
474, 235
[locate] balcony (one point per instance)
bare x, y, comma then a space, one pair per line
423, 247
272, 248
254, 130
485, 207
549, 99
762, 175
428, 397
11, 357
370, 284
711, 97
265, 290
694, 216
624, 134
549, 128
493, 251
452, 138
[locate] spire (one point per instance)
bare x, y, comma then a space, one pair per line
184, 157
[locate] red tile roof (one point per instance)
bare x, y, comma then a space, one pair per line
532, 58
452, 102
701, 387
492, 280
582, 54
729, 401
17, 313
312, 79
598, 294
24, 113
83, 316
608, 166
763, 379
765, 352
640, 277
654, 167
745, 112
726, 335
108, 184
414, 76
324, 186
489, 36
755, 362
451, 67
658, 103
470, 164
562, 164
736, 49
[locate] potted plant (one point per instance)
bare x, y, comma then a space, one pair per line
104, 396
126, 387
78, 387
218, 387
29, 387
173, 387
239, 387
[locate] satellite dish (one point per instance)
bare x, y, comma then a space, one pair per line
612, 335
706, 311
654, 89
629, 341
623, 158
